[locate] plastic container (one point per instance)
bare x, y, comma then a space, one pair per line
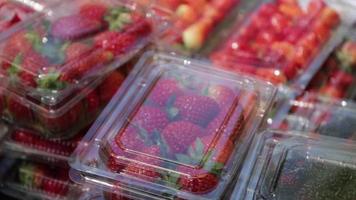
287, 39
50, 66
181, 130
24, 179
337, 77
293, 166
317, 114
64, 121
24, 143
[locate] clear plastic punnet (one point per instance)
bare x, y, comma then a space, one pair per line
290, 165
26, 179
290, 40
177, 128
54, 61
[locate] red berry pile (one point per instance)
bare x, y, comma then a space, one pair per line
185, 125
281, 34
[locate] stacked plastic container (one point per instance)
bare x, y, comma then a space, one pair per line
262, 108
60, 64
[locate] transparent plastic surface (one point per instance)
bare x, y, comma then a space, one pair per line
20, 142
49, 63
288, 40
293, 166
337, 77
70, 118
181, 130
317, 114
26, 179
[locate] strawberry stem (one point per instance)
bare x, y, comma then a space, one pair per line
118, 18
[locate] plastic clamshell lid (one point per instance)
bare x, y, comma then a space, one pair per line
295, 166
68, 47
180, 128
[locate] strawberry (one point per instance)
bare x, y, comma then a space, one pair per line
110, 85
115, 42
77, 68
227, 124
75, 50
272, 75
93, 11
331, 91
197, 109
31, 175
62, 122
149, 119
223, 95
180, 134
347, 54
19, 110
143, 165
139, 28
75, 27
164, 91
92, 101
199, 183
341, 79
130, 139
15, 44
54, 187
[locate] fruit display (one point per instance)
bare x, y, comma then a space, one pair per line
178, 127
283, 37
52, 70
12, 12
337, 76
34, 180
297, 167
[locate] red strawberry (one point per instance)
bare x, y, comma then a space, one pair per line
115, 42
130, 139
149, 119
341, 80
221, 148
164, 90
62, 122
202, 182
19, 110
143, 165
77, 68
76, 50
331, 91
179, 135
16, 44
92, 103
31, 175
75, 27
197, 109
227, 124
31, 65
139, 28
93, 11
110, 85
54, 187
223, 95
